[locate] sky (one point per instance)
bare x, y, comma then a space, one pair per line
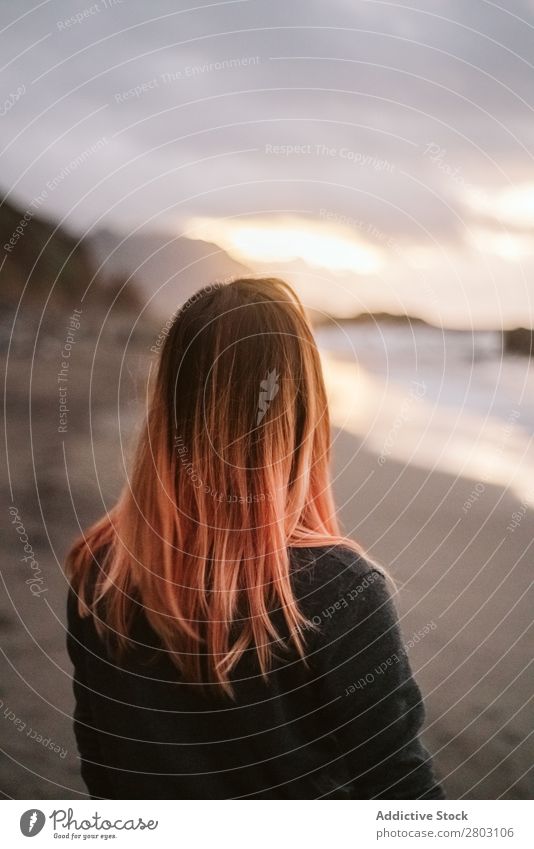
380, 155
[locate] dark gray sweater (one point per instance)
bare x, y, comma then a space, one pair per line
345, 725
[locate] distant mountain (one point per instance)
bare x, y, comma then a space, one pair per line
167, 269
370, 318
46, 263
519, 340
35, 255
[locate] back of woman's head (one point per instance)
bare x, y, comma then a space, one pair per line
230, 471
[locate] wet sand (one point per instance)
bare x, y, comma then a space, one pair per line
468, 574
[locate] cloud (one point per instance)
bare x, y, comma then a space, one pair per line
191, 99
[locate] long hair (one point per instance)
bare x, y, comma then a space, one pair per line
230, 471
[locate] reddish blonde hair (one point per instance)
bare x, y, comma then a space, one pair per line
231, 470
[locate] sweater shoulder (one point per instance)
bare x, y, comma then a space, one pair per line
324, 576
336, 564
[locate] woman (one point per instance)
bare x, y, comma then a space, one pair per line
227, 641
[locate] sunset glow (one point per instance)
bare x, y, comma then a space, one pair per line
513, 206
513, 247
319, 245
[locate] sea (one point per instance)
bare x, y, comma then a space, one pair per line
440, 399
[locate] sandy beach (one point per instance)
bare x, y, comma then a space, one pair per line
462, 575
473, 579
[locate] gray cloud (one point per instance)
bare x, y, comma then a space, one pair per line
376, 79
